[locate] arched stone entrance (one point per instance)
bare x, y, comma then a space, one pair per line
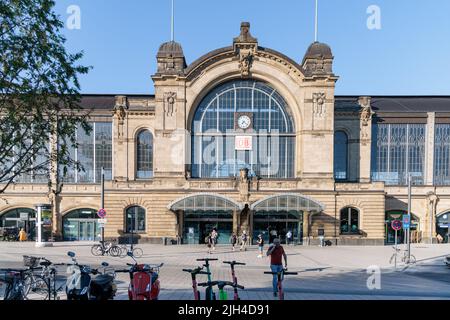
197, 214
275, 215
20, 218
81, 225
442, 226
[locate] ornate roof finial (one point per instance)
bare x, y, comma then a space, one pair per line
245, 36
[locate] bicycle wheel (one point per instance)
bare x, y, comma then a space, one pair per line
412, 259
123, 251
38, 290
115, 251
137, 252
97, 250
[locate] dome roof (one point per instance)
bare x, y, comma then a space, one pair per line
170, 49
319, 50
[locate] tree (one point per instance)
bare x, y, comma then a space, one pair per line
39, 93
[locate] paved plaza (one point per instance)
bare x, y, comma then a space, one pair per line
326, 273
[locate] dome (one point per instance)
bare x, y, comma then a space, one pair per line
170, 49
319, 50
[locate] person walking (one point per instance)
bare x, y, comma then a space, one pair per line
289, 237
233, 241
260, 242
244, 239
208, 242
22, 235
273, 235
276, 253
214, 236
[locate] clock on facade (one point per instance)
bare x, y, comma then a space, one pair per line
243, 121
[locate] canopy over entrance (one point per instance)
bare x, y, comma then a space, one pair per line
204, 202
288, 202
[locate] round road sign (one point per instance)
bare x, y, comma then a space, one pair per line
101, 213
396, 225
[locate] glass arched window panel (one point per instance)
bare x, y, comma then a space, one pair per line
135, 219
270, 151
340, 155
144, 155
349, 221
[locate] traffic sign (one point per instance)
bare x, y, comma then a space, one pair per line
396, 225
406, 221
101, 213
102, 221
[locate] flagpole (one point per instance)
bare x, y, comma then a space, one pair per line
316, 33
172, 24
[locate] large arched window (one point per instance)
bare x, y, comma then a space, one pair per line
243, 124
340, 155
135, 219
144, 155
349, 221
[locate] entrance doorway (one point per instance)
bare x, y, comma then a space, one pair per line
198, 225
81, 225
277, 224
442, 227
16, 219
390, 233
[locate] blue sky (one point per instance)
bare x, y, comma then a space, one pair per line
408, 56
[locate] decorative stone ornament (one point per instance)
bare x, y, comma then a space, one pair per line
245, 47
169, 103
366, 112
120, 108
319, 103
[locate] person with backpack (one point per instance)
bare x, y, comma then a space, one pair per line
233, 241
244, 239
208, 242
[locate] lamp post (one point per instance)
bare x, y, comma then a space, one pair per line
102, 205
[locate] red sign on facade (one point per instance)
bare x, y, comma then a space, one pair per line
244, 143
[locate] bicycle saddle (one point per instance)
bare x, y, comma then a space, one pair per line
45, 263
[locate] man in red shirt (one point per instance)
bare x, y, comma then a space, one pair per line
276, 252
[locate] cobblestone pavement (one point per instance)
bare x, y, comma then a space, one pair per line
324, 273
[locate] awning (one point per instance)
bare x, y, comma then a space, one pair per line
204, 202
288, 202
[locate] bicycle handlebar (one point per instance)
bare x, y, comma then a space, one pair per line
281, 272
220, 284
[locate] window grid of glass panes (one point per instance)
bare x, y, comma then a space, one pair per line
442, 154
144, 153
94, 152
273, 137
340, 155
38, 172
399, 150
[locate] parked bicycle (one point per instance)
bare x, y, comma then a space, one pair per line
124, 250
406, 258
106, 248
280, 277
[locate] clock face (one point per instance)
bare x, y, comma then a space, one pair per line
244, 122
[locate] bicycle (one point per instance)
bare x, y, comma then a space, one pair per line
106, 248
41, 284
406, 258
223, 295
209, 293
15, 287
280, 277
124, 250
233, 276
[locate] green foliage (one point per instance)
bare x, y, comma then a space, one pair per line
39, 92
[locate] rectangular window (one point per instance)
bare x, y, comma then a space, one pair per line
442, 154
398, 150
94, 152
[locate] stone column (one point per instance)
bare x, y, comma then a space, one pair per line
432, 201
429, 149
236, 213
180, 223
306, 215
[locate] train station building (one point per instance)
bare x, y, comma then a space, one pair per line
246, 138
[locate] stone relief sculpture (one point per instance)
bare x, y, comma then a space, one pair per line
245, 63
319, 103
169, 103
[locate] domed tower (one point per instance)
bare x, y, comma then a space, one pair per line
318, 60
171, 60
